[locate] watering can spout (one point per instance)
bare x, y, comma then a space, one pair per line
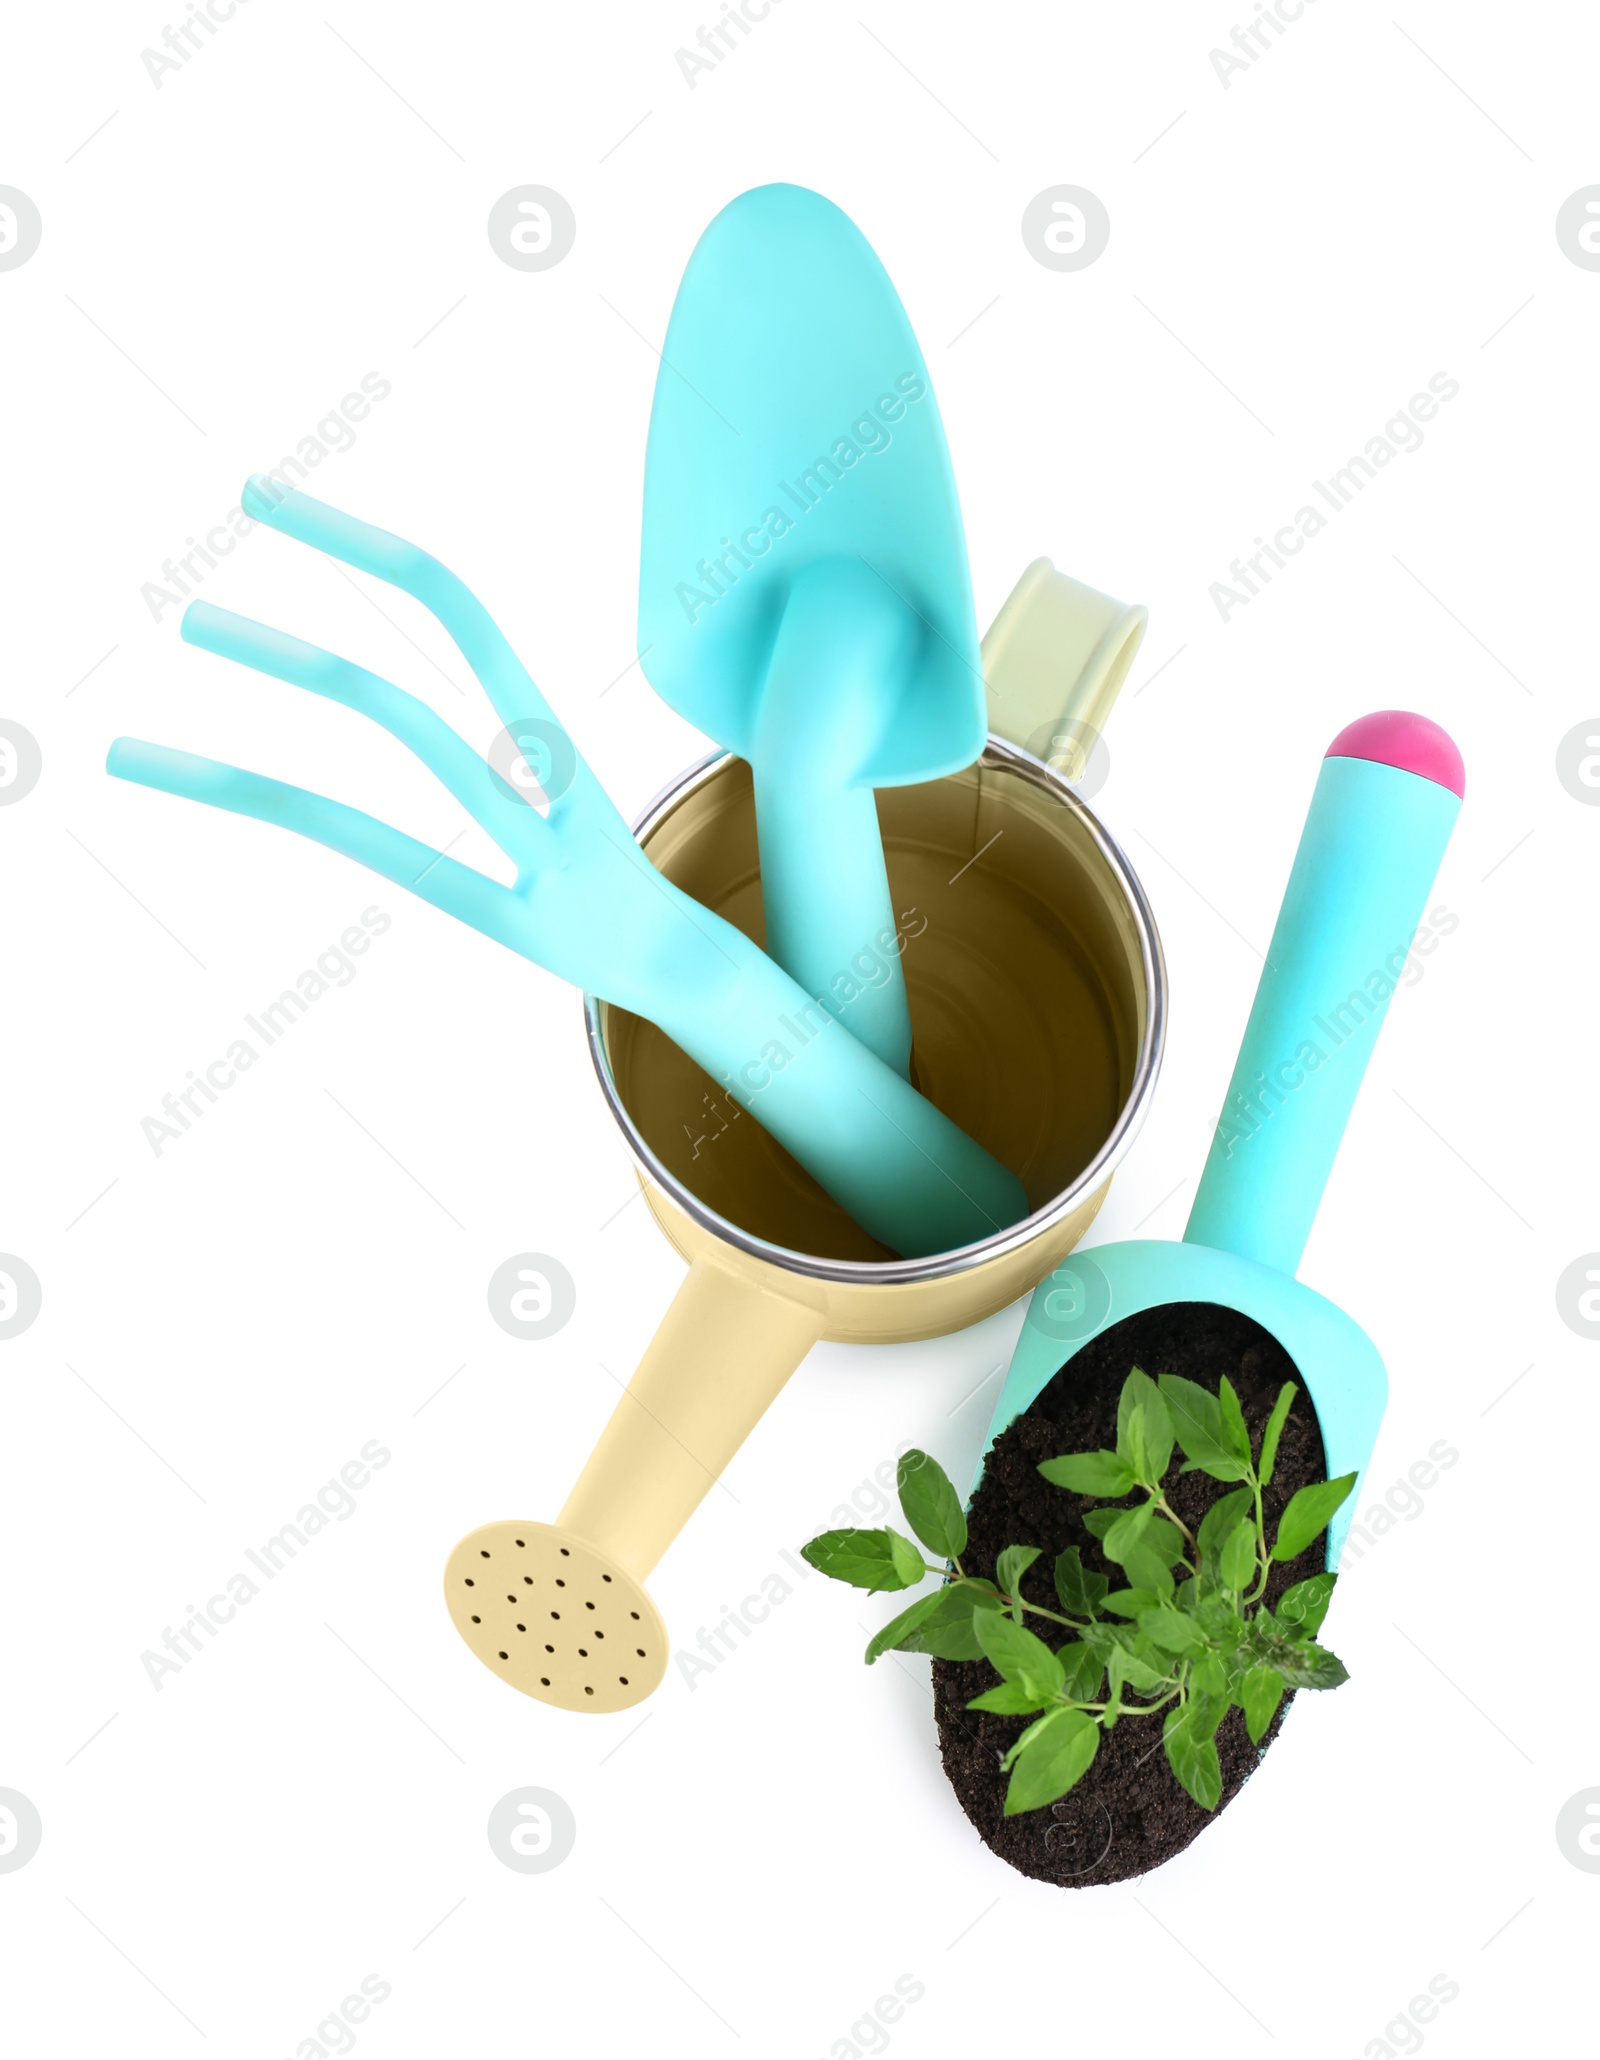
1386, 799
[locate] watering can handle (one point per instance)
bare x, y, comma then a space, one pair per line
1054, 660
723, 1351
1386, 799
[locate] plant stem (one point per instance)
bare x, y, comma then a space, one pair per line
1260, 1588
1126, 1709
1035, 1609
1173, 1517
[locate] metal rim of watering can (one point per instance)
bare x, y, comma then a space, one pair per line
998, 755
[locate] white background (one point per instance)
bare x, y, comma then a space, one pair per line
224, 1325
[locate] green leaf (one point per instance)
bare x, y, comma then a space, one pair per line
1307, 1665
946, 1631
1125, 1531
1010, 1699
1206, 1712
1219, 1619
1192, 1758
1138, 1669
1098, 1521
1171, 1632
1308, 1514
1235, 1435
894, 1633
1274, 1429
1132, 1602
1079, 1593
1022, 1741
1164, 1539
1306, 1603
932, 1506
1144, 1429
1219, 1520
1237, 1562
1014, 1652
1145, 1569
1012, 1564
1058, 1751
1083, 1670
1260, 1692
1209, 1675
1089, 1473
866, 1559
1197, 1419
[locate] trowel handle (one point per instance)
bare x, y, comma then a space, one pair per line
893, 1160
1385, 801
829, 914
835, 686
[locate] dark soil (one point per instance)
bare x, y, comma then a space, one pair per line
1128, 1813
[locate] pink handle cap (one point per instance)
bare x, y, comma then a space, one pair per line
1394, 736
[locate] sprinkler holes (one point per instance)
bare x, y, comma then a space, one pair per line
623, 1679
544, 1680
522, 1627
565, 1554
471, 1583
482, 1554
549, 1648
634, 1614
588, 1605
505, 1655
477, 1620
588, 1691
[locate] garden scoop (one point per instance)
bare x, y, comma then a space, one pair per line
1385, 801
588, 904
804, 596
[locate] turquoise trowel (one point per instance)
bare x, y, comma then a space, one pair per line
1385, 801
803, 593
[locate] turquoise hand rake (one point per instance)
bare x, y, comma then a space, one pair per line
589, 905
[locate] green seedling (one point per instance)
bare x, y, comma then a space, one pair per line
1188, 1635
